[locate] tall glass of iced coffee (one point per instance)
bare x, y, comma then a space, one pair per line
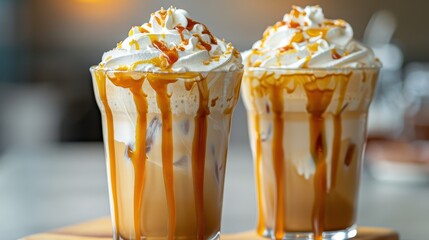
307, 87
167, 94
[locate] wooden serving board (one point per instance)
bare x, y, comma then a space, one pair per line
101, 230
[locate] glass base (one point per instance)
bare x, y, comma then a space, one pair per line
215, 237
348, 233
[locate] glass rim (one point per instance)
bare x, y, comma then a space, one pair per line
330, 69
109, 70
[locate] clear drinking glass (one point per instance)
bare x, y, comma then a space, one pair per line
307, 132
166, 139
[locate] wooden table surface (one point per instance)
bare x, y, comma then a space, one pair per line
101, 230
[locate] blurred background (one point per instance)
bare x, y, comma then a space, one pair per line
50, 126
47, 47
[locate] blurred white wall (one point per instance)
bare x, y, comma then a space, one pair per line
30, 115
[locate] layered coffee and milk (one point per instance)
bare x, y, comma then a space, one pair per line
167, 94
307, 87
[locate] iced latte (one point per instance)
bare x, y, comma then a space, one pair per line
167, 94
307, 88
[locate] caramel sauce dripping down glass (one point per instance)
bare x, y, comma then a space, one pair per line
307, 130
166, 137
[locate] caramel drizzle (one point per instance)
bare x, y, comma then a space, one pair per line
207, 46
260, 227
170, 54
318, 102
143, 30
135, 43
192, 23
261, 219
180, 29
343, 81
137, 155
276, 94
163, 14
297, 38
199, 155
163, 100
315, 32
335, 55
278, 151
101, 84
158, 20
295, 12
336, 145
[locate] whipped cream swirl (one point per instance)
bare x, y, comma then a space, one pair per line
173, 42
306, 39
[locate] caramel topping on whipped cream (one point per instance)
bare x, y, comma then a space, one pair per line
306, 39
172, 42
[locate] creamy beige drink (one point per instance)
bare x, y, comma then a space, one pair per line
307, 88
167, 94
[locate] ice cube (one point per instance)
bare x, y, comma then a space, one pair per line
265, 135
213, 151
154, 126
182, 162
218, 170
129, 149
184, 126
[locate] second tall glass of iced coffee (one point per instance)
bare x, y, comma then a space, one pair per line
167, 94
307, 88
